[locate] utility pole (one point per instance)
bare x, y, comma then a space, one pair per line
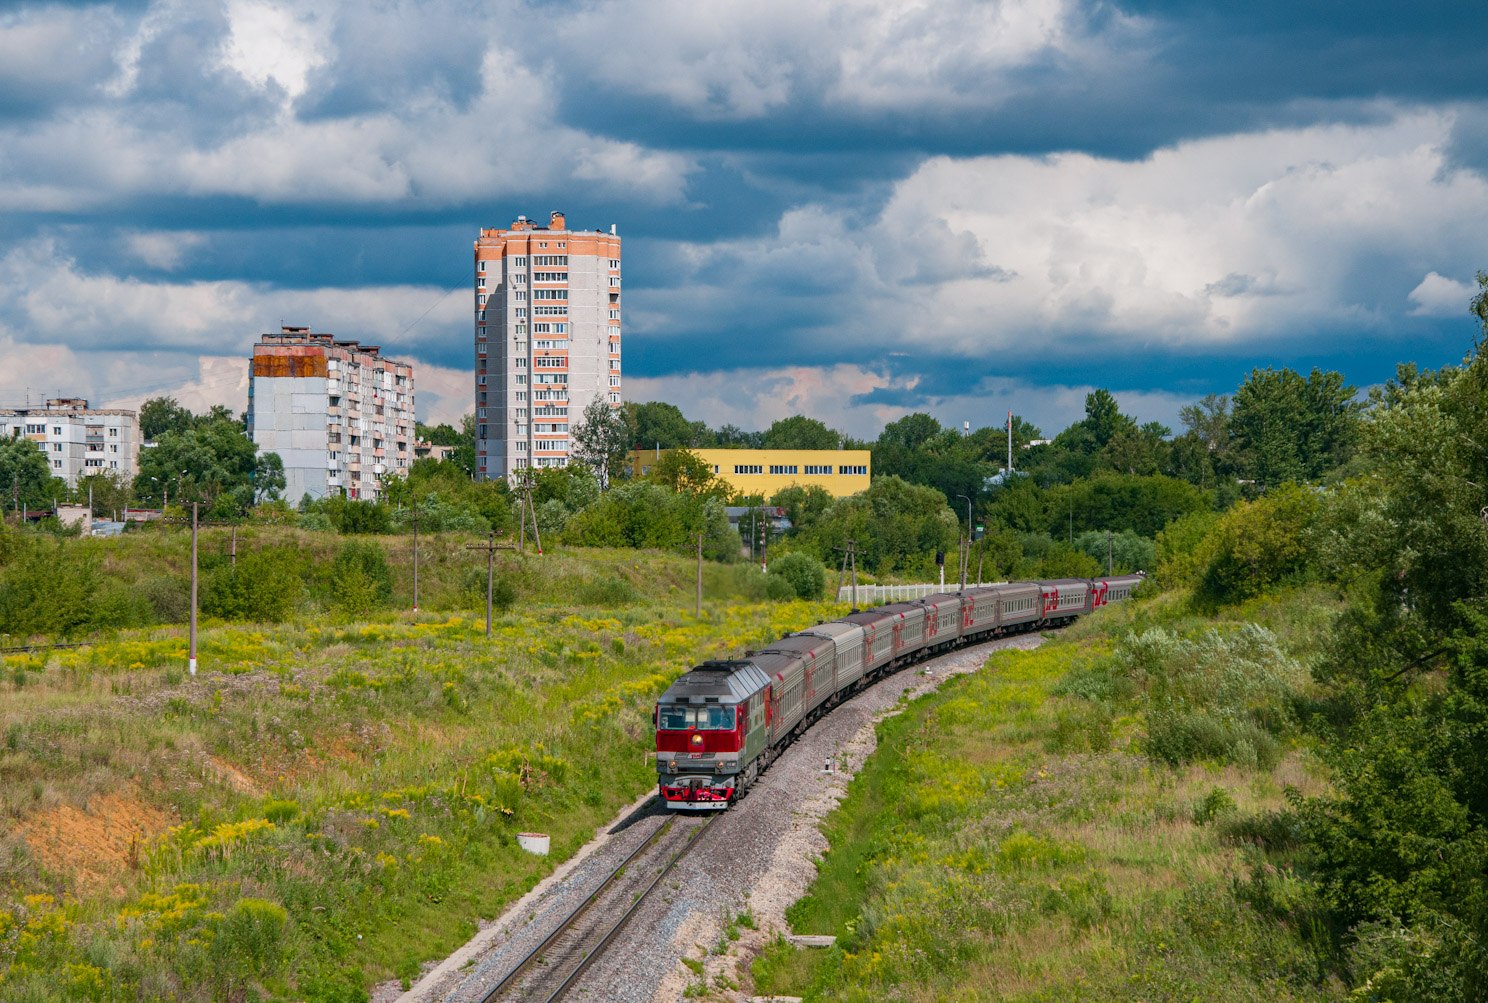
965, 553
490, 547
1010, 446
232, 559
850, 554
192, 655
415, 557
981, 554
764, 540
1110, 559
698, 609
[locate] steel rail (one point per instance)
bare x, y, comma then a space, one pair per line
567, 923
614, 931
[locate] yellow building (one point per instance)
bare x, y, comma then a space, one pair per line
842, 472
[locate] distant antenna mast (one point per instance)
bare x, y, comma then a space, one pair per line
1010, 443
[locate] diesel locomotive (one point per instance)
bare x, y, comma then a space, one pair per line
722, 723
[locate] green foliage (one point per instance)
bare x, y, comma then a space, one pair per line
1182, 554
803, 505
1287, 428
212, 462
1128, 551
263, 587
361, 579
601, 438
1258, 545
800, 432
656, 423
47, 591
805, 574
899, 526
24, 467
159, 415
249, 938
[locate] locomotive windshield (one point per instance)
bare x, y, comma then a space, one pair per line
712, 717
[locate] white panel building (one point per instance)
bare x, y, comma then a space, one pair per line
78, 440
340, 416
547, 339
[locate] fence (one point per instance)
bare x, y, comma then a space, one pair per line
895, 593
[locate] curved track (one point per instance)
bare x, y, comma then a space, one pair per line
555, 965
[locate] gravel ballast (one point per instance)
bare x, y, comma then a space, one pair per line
758, 858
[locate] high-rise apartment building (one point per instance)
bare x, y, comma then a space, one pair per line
78, 441
547, 339
339, 415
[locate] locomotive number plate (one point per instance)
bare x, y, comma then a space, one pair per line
696, 755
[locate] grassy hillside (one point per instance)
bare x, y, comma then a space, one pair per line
1096, 819
329, 802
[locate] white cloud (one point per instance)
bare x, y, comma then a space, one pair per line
1439, 296
743, 59
1211, 243
162, 249
268, 42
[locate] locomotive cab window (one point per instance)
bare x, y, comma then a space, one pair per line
714, 717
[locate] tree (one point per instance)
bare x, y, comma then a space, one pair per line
159, 415
684, 471
1103, 418
268, 477
211, 462
911, 432
803, 505
800, 432
602, 438
439, 435
23, 468
1287, 428
110, 492
656, 424
734, 437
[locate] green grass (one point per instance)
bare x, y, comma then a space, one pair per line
1010, 840
366, 778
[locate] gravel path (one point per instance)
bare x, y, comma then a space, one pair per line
758, 857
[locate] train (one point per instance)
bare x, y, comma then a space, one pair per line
721, 724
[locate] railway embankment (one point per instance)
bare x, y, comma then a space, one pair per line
1100, 818
330, 803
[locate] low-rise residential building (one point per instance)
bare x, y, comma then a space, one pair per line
78, 440
841, 472
339, 415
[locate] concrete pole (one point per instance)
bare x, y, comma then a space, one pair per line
415, 557
192, 655
698, 609
490, 577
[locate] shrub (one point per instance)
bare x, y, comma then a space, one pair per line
806, 575
778, 588
169, 597
473, 591
249, 937
1217, 804
47, 591
264, 587
607, 592
280, 812
360, 579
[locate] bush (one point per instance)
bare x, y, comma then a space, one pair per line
169, 597
250, 935
806, 575
47, 591
473, 590
607, 592
263, 588
361, 579
1217, 804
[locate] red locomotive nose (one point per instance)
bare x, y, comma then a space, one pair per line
697, 739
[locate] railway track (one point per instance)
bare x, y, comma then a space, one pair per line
556, 965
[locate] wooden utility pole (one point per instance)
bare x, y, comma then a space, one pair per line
232, 559
523, 508
981, 553
698, 608
850, 555
490, 547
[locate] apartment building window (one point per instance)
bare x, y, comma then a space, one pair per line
519, 279
36, 430
859, 471
482, 432
93, 463
113, 431
480, 412
549, 260
783, 469
614, 381
614, 264
114, 447
520, 295
549, 276
480, 282
520, 311
521, 447
614, 315
521, 395
550, 294
480, 265
550, 311
480, 381
521, 380
748, 468
549, 362
480, 315
551, 343
818, 470
614, 282
520, 363
57, 464
56, 447
520, 261
551, 378
481, 299
614, 398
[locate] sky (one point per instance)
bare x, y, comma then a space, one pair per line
848, 210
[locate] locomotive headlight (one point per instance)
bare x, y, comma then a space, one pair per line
728, 764
697, 740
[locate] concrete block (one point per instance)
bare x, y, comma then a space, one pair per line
812, 940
